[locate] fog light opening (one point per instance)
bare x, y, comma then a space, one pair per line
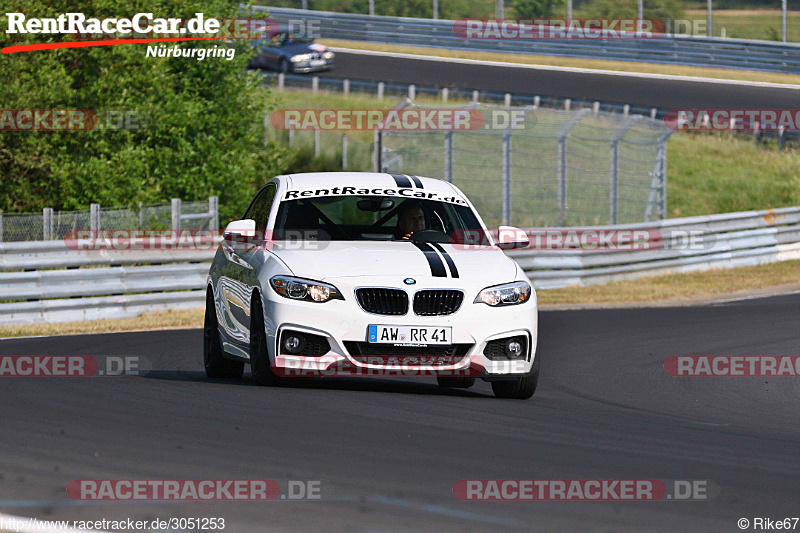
514, 348
293, 343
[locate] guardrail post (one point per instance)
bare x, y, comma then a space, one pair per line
663, 203
445, 94
1, 225
94, 217
412, 92
448, 156
596, 108
47, 223
176, 214
346, 87
291, 137
213, 213
344, 151
537, 100
653, 113
507, 99
781, 143
507, 178
281, 81
626, 109
562, 163
316, 142
567, 104
315, 84
381, 86
475, 95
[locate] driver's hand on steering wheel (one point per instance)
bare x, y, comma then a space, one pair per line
407, 236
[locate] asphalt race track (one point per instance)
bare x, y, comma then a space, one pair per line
389, 452
666, 94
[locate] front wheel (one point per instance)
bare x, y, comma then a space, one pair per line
283, 66
521, 388
216, 365
259, 357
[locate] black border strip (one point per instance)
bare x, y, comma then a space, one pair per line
434, 261
450, 263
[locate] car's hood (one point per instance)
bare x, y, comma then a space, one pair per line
302, 48
400, 259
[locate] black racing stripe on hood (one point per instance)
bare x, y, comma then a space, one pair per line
401, 180
450, 263
434, 261
417, 182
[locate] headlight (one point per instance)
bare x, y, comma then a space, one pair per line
304, 289
301, 57
506, 294
328, 55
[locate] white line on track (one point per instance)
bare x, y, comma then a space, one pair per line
624, 74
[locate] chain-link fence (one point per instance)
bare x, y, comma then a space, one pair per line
51, 224
551, 168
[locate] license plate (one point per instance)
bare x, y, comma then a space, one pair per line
380, 334
317, 62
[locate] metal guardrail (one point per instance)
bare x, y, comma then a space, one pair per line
135, 282
693, 51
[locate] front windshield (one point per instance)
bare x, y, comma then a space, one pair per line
377, 218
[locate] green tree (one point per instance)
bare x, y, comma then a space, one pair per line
203, 132
531, 9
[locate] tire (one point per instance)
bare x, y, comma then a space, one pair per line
215, 363
521, 388
283, 66
259, 356
460, 382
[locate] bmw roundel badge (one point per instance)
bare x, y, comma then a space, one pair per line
409, 281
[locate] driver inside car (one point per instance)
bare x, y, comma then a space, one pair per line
410, 219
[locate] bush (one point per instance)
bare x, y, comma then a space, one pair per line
204, 133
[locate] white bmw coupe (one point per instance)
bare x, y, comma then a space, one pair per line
370, 274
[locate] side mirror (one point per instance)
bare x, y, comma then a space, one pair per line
509, 238
241, 235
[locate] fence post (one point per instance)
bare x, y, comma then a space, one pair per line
613, 189
445, 94
344, 151
663, 206
213, 213
562, 163
507, 99
94, 217
315, 84
537, 100
412, 92
346, 87
448, 156
380, 90
475, 95
176, 214
316, 142
377, 148
291, 136
506, 178
1, 225
47, 223
781, 143
281, 81
567, 104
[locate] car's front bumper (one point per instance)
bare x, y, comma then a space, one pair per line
341, 322
303, 67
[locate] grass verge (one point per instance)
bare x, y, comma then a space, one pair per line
190, 318
575, 62
694, 287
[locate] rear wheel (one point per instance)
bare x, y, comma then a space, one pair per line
521, 388
216, 365
454, 382
259, 356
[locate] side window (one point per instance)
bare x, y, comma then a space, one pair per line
261, 206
